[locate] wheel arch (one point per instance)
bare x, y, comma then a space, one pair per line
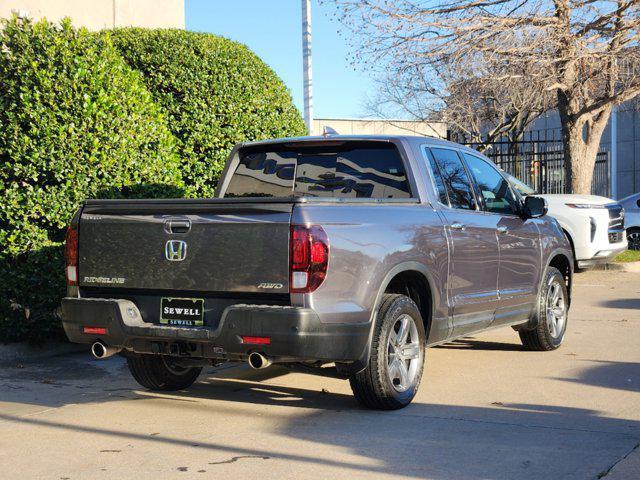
570, 239
415, 285
562, 262
401, 273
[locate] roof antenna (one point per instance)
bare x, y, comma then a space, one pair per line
326, 131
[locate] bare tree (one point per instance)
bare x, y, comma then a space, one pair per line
585, 52
480, 100
495, 101
476, 107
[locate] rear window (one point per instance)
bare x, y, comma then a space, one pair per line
352, 170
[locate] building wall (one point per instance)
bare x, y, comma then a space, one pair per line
345, 126
99, 14
628, 154
627, 173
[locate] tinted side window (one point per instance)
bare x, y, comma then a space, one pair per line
495, 191
455, 178
437, 176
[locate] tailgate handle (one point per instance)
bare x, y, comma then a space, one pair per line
177, 226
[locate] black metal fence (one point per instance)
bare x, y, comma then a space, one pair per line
538, 161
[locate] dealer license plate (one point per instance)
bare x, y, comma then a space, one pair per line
186, 312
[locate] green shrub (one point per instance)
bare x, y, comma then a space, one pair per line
215, 93
75, 122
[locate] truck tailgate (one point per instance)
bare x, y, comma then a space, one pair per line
216, 245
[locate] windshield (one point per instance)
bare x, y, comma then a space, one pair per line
522, 188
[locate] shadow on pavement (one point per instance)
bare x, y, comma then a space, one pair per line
472, 344
441, 440
617, 375
630, 303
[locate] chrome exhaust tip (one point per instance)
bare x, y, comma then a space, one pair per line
258, 361
100, 351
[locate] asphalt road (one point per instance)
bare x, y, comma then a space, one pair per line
486, 409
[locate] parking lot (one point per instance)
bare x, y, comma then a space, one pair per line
486, 409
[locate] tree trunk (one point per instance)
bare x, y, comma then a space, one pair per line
578, 166
581, 140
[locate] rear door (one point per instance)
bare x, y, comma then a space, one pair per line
518, 241
474, 258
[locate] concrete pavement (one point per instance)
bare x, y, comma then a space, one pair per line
486, 409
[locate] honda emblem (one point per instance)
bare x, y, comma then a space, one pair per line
175, 250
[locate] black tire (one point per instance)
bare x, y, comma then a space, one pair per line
633, 237
158, 372
373, 388
544, 337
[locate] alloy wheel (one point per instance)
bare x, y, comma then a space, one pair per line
404, 353
556, 309
634, 240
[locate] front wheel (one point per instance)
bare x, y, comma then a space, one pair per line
633, 238
552, 311
161, 372
392, 376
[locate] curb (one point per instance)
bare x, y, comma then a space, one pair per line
625, 468
633, 267
22, 352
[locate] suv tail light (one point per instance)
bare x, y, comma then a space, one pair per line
71, 255
309, 258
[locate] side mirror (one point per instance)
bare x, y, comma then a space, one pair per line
534, 207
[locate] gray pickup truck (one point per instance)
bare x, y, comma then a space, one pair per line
339, 255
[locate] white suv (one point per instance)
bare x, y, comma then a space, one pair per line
594, 225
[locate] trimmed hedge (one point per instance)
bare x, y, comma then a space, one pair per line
215, 93
124, 113
75, 122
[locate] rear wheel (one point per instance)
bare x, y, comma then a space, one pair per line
633, 238
161, 372
396, 362
551, 314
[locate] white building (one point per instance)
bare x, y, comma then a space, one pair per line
99, 14
364, 126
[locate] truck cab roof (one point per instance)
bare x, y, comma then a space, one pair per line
413, 140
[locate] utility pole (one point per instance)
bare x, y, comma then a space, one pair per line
613, 162
306, 65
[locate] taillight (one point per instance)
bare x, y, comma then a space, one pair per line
309, 257
71, 255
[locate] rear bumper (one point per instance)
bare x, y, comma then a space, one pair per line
296, 333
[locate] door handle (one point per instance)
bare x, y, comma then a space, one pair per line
502, 230
177, 226
457, 226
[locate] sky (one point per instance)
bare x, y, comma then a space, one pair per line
273, 30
